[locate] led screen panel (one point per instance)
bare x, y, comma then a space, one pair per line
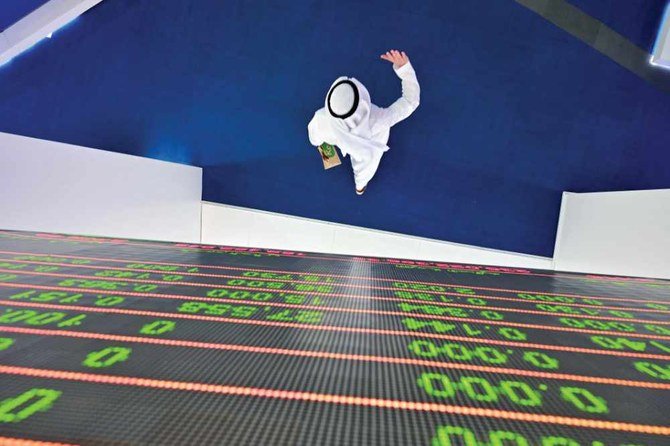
110, 341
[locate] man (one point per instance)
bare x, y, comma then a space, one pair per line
359, 128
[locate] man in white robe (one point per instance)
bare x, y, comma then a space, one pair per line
359, 128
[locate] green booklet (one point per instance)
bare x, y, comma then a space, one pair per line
329, 155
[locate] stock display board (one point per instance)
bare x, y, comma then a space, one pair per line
111, 341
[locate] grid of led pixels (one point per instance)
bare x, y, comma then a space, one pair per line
137, 342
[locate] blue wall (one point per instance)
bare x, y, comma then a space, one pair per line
513, 112
637, 20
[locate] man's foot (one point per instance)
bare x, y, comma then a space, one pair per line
360, 192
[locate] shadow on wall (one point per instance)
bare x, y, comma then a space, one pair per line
329, 195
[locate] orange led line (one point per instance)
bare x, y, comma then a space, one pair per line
345, 400
227, 276
311, 293
9, 441
381, 260
348, 310
342, 276
334, 356
373, 331
299, 254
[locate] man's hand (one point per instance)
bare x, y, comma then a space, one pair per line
399, 58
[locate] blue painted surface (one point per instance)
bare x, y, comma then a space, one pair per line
513, 112
637, 20
11, 11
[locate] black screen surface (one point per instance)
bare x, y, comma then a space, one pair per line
111, 341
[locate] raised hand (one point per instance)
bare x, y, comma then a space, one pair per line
398, 58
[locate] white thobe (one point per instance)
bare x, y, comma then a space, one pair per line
364, 160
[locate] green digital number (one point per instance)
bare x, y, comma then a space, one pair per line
654, 370
437, 326
562, 441
492, 315
12, 316
504, 438
479, 389
516, 392
521, 393
457, 352
419, 296
541, 360
14, 410
512, 334
246, 295
31, 317
596, 325
243, 311
106, 357
156, 328
657, 329
424, 348
255, 284
305, 317
6, 265
108, 301
437, 385
5, 343
490, 355
217, 293
45, 318
459, 435
156, 267
543, 298
418, 286
584, 400
618, 343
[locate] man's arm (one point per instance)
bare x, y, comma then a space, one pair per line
406, 104
411, 91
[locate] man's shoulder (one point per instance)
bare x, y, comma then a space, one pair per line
321, 113
375, 113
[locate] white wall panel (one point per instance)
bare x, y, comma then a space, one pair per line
618, 233
661, 53
50, 186
34, 27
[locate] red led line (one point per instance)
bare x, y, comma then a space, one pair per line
9, 441
366, 287
368, 278
345, 400
350, 310
311, 293
334, 356
385, 261
373, 331
381, 260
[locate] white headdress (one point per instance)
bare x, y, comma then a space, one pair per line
348, 105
